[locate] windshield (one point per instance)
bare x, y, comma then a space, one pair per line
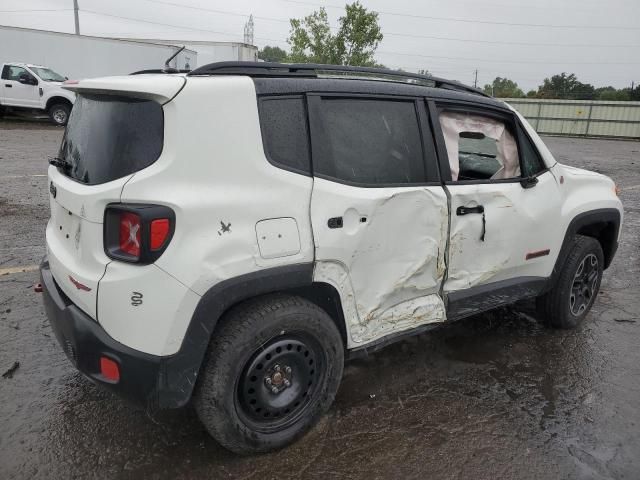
47, 74
109, 137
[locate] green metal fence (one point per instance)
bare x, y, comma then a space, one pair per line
581, 117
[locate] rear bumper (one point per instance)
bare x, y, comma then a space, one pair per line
84, 342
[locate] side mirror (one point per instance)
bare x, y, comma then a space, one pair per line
529, 182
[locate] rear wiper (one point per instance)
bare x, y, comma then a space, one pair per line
60, 163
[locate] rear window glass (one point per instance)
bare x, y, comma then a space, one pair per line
110, 137
371, 142
285, 133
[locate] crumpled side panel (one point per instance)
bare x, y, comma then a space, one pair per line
390, 280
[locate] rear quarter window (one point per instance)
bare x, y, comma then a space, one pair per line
285, 132
109, 137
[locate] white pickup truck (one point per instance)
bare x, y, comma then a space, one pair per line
35, 88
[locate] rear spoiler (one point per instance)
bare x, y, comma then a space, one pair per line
160, 88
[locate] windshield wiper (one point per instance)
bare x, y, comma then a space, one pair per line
60, 163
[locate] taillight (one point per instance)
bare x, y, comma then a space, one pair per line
130, 234
137, 233
159, 232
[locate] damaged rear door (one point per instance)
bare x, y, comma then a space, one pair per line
505, 208
379, 212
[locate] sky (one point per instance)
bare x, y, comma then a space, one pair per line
525, 41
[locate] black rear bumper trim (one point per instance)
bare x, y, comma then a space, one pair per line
84, 341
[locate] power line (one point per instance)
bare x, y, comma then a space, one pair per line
37, 10
464, 20
498, 42
155, 23
476, 59
221, 12
490, 42
398, 34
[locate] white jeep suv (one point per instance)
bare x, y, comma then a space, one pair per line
26, 87
232, 234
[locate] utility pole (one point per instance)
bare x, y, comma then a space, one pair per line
475, 81
75, 14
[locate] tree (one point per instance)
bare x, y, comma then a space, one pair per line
611, 93
355, 42
503, 87
566, 86
531, 94
272, 54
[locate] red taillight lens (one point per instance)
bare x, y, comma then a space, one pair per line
159, 232
137, 233
109, 369
130, 233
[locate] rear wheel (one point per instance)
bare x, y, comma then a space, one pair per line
274, 367
566, 305
59, 113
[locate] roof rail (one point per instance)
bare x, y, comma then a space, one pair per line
157, 70
313, 70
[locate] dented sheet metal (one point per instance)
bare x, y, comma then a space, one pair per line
518, 221
387, 261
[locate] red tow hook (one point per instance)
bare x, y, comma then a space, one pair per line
37, 288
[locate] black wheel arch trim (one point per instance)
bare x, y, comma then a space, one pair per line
582, 220
56, 101
180, 371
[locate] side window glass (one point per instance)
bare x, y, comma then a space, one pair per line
479, 147
532, 164
5, 72
285, 132
370, 142
15, 72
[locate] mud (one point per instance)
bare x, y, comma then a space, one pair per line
495, 396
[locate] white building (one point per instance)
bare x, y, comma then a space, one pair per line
82, 56
209, 52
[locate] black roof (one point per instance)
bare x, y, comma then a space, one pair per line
316, 71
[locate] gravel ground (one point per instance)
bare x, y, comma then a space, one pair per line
495, 396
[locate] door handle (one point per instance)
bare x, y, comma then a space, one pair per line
468, 210
335, 222
8, 85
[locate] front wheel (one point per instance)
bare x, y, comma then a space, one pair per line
59, 114
566, 305
274, 367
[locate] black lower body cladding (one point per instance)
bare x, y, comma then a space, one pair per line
84, 342
156, 382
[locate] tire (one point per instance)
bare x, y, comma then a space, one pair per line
258, 346
570, 300
59, 113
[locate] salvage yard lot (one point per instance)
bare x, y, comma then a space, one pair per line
494, 396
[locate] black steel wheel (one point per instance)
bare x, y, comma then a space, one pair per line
278, 382
571, 298
273, 369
